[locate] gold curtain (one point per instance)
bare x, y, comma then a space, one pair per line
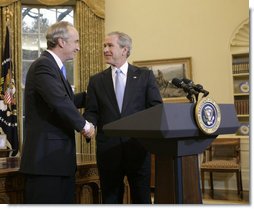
12, 9
97, 7
53, 2
90, 58
6, 2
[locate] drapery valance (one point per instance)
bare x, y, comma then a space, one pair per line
6, 2
53, 2
97, 6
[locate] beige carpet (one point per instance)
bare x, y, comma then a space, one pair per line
224, 202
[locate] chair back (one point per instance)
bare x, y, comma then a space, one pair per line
223, 150
226, 149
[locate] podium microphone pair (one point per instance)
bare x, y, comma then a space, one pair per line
189, 87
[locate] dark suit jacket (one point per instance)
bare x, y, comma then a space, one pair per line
141, 92
51, 116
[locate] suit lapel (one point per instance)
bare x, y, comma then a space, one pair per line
109, 87
130, 88
65, 82
68, 87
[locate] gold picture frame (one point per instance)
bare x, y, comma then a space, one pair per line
165, 70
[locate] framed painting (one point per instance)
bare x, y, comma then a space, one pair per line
165, 70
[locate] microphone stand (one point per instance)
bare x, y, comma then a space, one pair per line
197, 97
190, 97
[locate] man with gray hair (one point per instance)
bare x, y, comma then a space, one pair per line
48, 157
119, 91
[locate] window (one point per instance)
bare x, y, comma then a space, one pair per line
35, 22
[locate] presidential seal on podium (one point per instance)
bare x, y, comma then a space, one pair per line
207, 115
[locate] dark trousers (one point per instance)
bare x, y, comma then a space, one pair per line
112, 186
49, 189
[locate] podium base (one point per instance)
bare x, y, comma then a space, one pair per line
177, 180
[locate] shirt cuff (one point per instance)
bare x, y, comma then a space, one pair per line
87, 126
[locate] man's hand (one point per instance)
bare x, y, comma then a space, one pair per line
88, 132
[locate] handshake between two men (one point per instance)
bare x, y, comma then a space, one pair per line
88, 131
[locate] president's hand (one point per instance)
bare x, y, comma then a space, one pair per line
88, 133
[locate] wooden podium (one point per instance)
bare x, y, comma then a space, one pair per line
170, 132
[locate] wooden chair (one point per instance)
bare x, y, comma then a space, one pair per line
223, 155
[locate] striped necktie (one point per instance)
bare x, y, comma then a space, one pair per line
119, 88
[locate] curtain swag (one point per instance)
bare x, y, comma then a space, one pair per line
97, 6
52, 2
6, 2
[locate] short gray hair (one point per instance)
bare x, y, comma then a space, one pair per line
123, 40
56, 31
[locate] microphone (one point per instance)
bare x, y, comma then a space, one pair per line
196, 87
180, 84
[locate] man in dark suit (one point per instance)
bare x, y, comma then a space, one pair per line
49, 154
118, 157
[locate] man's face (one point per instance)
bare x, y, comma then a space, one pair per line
71, 45
113, 53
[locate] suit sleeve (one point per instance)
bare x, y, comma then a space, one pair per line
80, 100
153, 96
50, 87
92, 107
